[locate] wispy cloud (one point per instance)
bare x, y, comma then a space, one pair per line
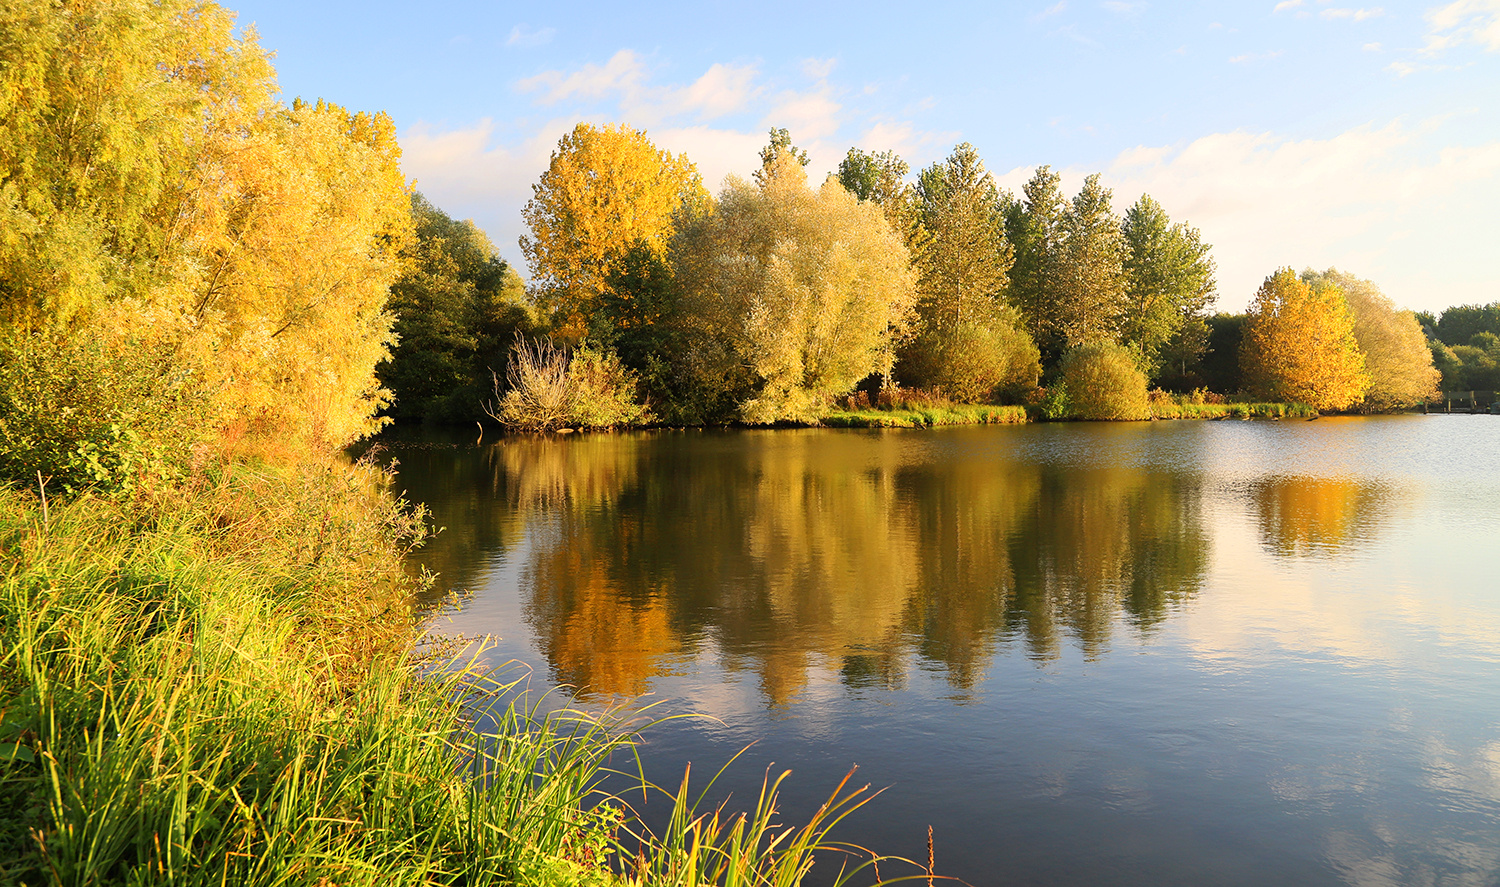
1055, 9
1119, 7
1372, 47
524, 35
1464, 21
1284, 5
1358, 15
723, 89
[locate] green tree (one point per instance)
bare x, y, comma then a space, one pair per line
1461, 323
807, 291
1033, 226
881, 179
604, 190
1396, 353
1169, 284
1089, 299
458, 307
963, 269
1220, 366
780, 143
1299, 345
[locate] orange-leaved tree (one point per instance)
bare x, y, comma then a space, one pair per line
606, 190
1299, 346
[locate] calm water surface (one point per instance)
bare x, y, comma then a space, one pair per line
1153, 653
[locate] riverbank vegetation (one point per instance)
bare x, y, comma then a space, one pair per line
207, 666
775, 300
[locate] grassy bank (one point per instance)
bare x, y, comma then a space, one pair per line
1189, 410
927, 417
212, 684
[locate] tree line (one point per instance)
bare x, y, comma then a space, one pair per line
767, 301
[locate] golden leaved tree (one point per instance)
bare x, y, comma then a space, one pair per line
1299, 345
152, 192
607, 189
809, 291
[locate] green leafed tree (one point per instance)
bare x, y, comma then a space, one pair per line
1034, 228
1396, 353
1169, 285
458, 308
794, 293
1089, 297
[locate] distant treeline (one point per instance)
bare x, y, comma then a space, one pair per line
659, 301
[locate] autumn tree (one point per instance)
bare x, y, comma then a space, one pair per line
1299, 345
1169, 284
880, 178
605, 190
457, 309
154, 195
804, 292
780, 143
1396, 353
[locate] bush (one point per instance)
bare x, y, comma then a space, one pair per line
83, 415
974, 363
549, 388
1103, 382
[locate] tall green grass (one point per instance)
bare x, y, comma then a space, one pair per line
213, 684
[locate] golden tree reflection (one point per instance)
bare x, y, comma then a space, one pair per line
1317, 515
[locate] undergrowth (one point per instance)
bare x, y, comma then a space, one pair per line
212, 683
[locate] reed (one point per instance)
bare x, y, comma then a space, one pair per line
215, 685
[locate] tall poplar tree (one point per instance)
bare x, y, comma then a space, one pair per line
1089, 276
1169, 285
1033, 225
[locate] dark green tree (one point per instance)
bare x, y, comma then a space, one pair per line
458, 308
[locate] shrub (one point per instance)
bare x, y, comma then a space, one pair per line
973, 362
1103, 382
82, 414
549, 388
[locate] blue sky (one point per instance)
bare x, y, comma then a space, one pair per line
1298, 132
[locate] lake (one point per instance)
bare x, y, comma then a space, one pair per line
1157, 653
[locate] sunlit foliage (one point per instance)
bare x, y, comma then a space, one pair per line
1104, 382
1169, 284
1299, 345
153, 194
606, 189
1396, 353
807, 291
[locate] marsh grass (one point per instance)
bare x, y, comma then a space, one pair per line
213, 684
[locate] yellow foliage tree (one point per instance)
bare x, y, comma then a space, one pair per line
605, 190
809, 291
1299, 345
151, 192
1395, 348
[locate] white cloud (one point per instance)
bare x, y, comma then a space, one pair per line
1358, 15
723, 89
818, 69
1055, 9
1464, 21
1396, 204
1286, 4
1372, 47
525, 35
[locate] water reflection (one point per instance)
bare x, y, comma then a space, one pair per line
1301, 516
782, 552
